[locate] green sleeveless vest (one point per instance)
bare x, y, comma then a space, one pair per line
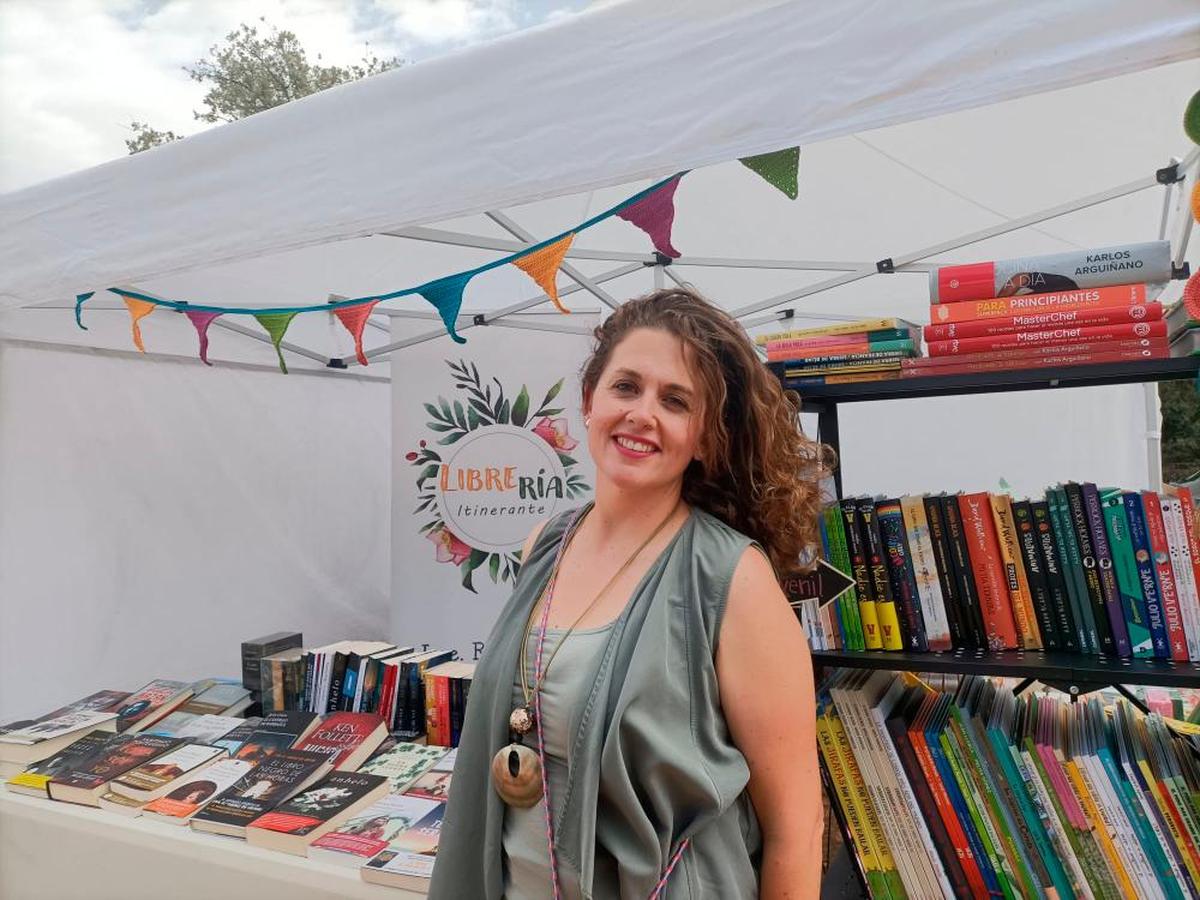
652, 762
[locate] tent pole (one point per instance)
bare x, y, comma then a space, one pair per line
541, 326
566, 268
1185, 231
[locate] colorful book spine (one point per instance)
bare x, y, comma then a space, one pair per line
1161, 555
1096, 349
925, 572
1139, 538
900, 572
1005, 307
857, 546
862, 340
1062, 357
1112, 315
964, 575
841, 356
1035, 574
840, 328
890, 633
848, 601
1060, 517
980, 531
1071, 634
1181, 567
1046, 337
1133, 604
944, 567
1094, 593
1104, 569
1014, 572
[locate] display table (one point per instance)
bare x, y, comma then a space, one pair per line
58, 851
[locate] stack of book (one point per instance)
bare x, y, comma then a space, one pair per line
1083, 569
979, 793
1183, 331
842, 353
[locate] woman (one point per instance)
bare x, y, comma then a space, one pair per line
648, 653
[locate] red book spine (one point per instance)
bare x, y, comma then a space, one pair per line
1115, 315
1048, 336
1000, 307
801, 350
386, 692
941, 799
968, 364
924, 362
443, 710
984, 551
1159, 549
1189, 527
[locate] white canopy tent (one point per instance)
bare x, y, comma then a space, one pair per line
155, 508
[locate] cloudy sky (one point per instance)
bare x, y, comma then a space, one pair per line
75, 73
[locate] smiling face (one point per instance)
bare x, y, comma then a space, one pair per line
646, 412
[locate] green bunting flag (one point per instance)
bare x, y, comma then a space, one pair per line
780, 169
276, 325
1191, 118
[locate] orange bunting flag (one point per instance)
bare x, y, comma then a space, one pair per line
542, 267
355, 320
138, 310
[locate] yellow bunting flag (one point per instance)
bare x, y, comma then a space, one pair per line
276, 325
138, 310
355, 320
542, 267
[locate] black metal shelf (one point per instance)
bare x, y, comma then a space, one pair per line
1085, 672
991, 382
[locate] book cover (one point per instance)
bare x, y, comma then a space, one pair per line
35, 778
1133, 604
944, 569
277, 731
264, 787
840, 328
101, 701
856, 544
206, 729
1043, 354
891, 634
1050, 557
846, 353
962, 346
347, 738
1181, 567
194, 791
415, 704
1191, 526
1004, 307
857, 338
980, 533
372, 830
151, 780
255, 649
1168, 592
411, 854
333, 798
964, 576
1082, 532
403, 764
924, 568
85, 781
972, 364
1064, 535
900, 571
217, 699
1035, 573
839, 557
1104, 570
1139, 537
433, 785
151, 703
59, 727
1015, 580
233, 740
1033, 321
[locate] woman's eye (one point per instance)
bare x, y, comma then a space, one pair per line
623, 386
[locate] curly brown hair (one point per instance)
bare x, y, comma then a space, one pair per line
757, 471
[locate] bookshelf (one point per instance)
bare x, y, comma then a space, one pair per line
1075, 674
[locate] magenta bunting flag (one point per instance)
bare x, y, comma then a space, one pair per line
655, 215
355, 320
201, 321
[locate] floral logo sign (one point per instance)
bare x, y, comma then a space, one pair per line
491, 469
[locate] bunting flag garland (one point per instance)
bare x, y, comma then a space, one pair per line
201, 321
1196, 201
780, 169
355, 320
543, 266
655, 215
1191, 296
446, 296
80, 299
276, 325
1191, 118
138, 310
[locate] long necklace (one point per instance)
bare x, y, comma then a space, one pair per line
516, 770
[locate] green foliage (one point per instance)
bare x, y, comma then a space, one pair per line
253, 72
1180, 430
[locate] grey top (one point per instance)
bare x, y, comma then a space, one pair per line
650, 761
564, 693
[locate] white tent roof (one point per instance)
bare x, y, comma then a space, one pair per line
628, 91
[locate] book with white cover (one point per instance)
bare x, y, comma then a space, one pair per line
208, 729
24, 746
408, 860
196, 790
152, 780
372, 830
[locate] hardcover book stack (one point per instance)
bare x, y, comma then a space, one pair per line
1089, 570
979, 793
1086, 307
1183, 331
842, 353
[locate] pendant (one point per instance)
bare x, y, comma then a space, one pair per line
517, 776
520, 721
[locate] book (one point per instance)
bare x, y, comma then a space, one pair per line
408, 860
255, 649
964, 575
1111, 315
1064, 534
276, 779
924, 568
233, 740
403, 763
433, 785
1104, 569
798, 354
152, 780
100, 701
1035, 573
277, 731
221, 699
440, 718
1149, 261
1139, 537
34, 780
146, 706
1015, 579
1056, 336
295, 824
22, 746
856, 545
859, 338
980, 534
944, 569
347, 738
1181, 567
839, 553
900, 573
369, 831
1132, 601
839, 328
1061, 357
1050, 556
1168, 592
194, 791
890, 634
86, 781
1094, 592
412, 718
201, 729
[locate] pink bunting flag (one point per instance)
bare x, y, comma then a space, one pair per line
355, 320
542, 266
201, 321
655, 215
138, 310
